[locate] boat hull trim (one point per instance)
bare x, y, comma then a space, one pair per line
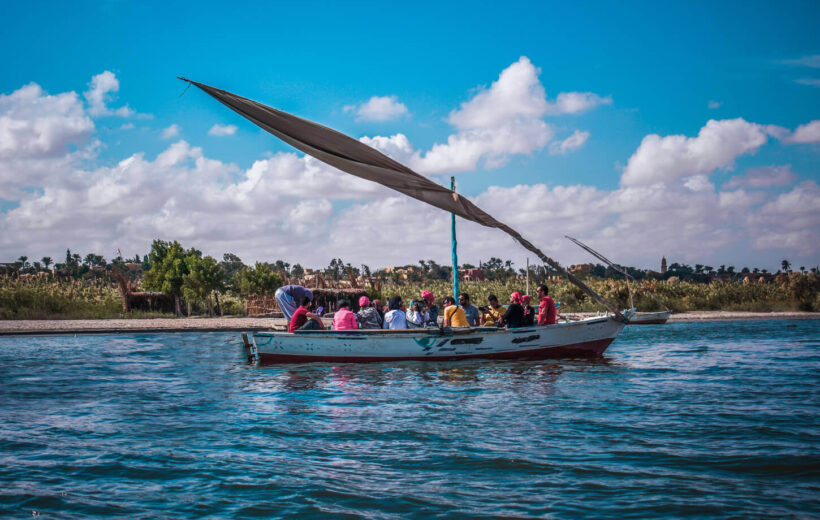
583, 338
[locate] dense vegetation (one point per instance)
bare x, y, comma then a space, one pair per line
91, 287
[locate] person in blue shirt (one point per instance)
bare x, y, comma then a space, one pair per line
289, 297
470, 310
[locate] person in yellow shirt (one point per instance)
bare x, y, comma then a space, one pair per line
492, 314
453, 314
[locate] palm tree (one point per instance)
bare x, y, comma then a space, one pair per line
786, 265
47, 261
803, 269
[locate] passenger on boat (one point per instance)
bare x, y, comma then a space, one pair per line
470, 311
547, 314
369, 316
344, 319
395, 318
492, 314
288, 298
514, 317
453, 314
417, 314
379, 306
529, 312
303, 319
432, 308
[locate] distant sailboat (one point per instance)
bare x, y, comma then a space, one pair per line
637, 318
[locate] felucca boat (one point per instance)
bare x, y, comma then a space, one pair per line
584, 338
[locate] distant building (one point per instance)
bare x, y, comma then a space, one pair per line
581, 269
663, 265
472, 275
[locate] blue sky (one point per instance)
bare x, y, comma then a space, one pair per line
653, 69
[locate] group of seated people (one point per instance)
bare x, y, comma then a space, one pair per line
423, 312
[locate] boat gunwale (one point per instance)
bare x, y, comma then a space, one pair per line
430, 331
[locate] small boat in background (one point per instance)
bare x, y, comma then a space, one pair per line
649, 318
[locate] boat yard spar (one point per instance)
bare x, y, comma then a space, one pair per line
361, 160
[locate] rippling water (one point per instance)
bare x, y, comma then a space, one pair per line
683, 420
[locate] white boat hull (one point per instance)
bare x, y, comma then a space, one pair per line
649, 318
583, 338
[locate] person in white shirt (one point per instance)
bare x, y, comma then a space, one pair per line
395, 317
417, 314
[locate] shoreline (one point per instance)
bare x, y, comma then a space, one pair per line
168, 325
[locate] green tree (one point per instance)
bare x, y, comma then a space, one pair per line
204, 278
786, 266
167, 269
298, 271
47, 261
259, 279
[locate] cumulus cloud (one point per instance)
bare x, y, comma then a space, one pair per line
576, 102
717, 145
808, 133
791, 222
763, 177
308, 212
570, 144
222, 130
99, 93
40, 134
170, 132
503, 120
378, 108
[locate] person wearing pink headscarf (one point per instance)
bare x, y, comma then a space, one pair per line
369, 317
432, 308
514, 317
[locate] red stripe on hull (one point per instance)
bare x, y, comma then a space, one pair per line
588, 349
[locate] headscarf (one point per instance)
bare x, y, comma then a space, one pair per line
526, 299
427, 295
364, 301
516, 298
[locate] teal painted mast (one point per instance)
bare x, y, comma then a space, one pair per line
455, 244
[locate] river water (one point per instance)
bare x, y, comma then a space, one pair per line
686, 420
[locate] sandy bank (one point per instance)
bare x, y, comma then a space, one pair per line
29, 327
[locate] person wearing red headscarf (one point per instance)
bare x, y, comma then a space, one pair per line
514, 317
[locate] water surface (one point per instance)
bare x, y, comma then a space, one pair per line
686, 420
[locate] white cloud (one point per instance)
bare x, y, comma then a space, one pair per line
378, 108
570, 144
516, 94
99, 94
808, 133
576, 102
713, 105
127, 126
40, 134
503, 120
222, 130
790, 222
171, 131
812, 82
303, 208
763, 177
806, 61
718, 144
